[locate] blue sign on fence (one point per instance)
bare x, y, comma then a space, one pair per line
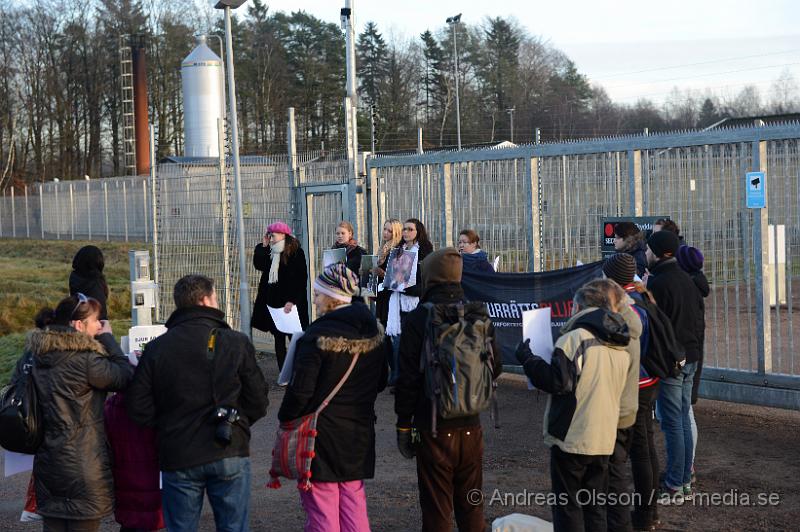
756, 191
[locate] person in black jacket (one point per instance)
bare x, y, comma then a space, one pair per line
283, 282
199, 386
678, 297
345, 445
76, 362
628, 238
345, 239
450, 464
87, 277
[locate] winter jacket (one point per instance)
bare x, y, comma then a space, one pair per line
345, 445
178, 386
292, 286
645, 379
636, 246
586, 379
412, 406
354, 254
676, 295
477, 262
135, 467
72, 373
382, 298
629, 402
701, 282
94, 287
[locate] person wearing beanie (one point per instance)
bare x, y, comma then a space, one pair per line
345, 444
628, 238
450, 460
283, 282
678, 297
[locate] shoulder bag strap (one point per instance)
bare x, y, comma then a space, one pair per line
338, 386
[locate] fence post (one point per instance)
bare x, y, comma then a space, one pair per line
58, 211
144, 209
125, 206
27, 215
71, 212
105, 203
13, 215
447, 203
88, 209
154, 214
376, 221
294, 193
761, 256
635, 182
41, 209
532, 212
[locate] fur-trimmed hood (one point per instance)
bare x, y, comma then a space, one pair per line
49, 345
358, 346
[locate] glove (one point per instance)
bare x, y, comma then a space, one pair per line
405, 442
523, 352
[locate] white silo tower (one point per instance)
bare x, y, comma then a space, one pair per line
202, 78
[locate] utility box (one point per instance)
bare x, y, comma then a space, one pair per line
143, 289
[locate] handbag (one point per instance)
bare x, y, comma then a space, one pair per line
294, 443
20, 416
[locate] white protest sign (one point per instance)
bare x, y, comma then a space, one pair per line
536, 327
288, 323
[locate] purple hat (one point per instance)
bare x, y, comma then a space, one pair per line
690, 259
279, 227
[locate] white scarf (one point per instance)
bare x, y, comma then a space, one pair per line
275, 256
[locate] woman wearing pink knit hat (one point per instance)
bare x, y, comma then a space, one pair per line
283, 282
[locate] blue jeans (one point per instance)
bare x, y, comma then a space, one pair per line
394, 361
227, 483
674, 402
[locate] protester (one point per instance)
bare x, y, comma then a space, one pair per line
664, 224
76, 361
678, 297
475, 259
346, 240
621, 269
691, 260
345, 444
199, 387
283, 282
450, 461
401, 302
87, 277
628, 238
586, 379
392, 235
137, 493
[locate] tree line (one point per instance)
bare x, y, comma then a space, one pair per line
61, 101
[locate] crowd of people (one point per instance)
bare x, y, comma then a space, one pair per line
633, 347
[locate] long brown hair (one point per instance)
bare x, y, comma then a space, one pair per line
289, 248
69, 309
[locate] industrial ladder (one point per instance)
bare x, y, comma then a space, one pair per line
128, 116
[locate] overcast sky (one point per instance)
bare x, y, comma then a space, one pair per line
634, 49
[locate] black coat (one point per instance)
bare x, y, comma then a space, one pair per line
292, 286
345, 445
679, 298
72, 373
382, 298
410, 402
94, 287
701, 282
171, 390
354, 254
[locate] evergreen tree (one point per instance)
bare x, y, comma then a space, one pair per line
372, 63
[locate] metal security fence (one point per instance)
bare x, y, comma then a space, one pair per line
115, 208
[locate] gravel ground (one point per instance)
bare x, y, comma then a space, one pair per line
743, 451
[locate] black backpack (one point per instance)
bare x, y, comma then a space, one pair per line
665, 356
20, 416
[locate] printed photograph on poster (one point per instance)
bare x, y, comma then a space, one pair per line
332, 256
401, 270
368, 281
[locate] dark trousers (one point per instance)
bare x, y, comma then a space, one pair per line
618, 510
448, 468
644, 461
280, 347
53, 524
578, 481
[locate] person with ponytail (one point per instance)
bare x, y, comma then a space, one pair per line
392, 235
346, 239
283, 282
76, 362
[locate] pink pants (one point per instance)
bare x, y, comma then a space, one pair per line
336, 507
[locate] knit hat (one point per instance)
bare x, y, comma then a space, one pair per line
441, 267
337, 281
663, 243
690, 259
620, 268
279, 227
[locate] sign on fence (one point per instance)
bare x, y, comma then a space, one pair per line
507, 295
645, 223
756, 190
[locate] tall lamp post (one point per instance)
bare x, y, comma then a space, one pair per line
244, 290
511, 120
453, 21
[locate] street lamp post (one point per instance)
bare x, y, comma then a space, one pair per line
453, 21
511, 120
244, 290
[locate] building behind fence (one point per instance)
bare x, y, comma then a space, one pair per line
537, 207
